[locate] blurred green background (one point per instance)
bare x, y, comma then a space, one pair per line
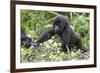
35, 22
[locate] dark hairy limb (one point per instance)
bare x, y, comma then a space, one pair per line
45, 36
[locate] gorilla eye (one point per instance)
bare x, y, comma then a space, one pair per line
57, 22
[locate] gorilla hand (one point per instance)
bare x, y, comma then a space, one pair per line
35, 45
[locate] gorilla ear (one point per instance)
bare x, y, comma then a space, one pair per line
67, 23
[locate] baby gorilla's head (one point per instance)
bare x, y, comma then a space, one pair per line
60, 22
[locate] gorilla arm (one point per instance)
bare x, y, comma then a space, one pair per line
45, 36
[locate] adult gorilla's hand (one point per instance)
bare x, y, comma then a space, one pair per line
35, 45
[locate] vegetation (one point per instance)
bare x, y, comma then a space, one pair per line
34, 22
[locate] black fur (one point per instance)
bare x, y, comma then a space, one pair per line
25, 40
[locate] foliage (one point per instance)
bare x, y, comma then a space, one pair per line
34, 22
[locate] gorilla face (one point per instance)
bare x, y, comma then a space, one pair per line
60, 23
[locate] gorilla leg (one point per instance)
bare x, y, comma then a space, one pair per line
80, 46
65, 48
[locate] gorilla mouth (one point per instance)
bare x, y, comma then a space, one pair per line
56, 28
57, 31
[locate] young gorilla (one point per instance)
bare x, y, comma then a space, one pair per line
62, 28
